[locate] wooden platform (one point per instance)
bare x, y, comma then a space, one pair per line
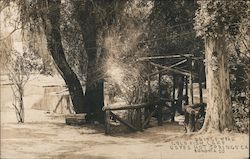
75, 119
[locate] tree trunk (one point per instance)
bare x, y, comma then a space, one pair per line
21, 106
94, 95
52, 30
219, 112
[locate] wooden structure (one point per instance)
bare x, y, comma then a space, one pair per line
68, 105
182, 66
178, 66
109, 111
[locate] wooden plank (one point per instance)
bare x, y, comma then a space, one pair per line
126, 107
107, 122
75, 119
124, 122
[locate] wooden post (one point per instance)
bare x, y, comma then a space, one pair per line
159, 107
191, 84
107, 122
146, 110
58, 103
174, 81
68, 104
138, 119
148, 119
173, 103
200, 81
186, 90
149, 88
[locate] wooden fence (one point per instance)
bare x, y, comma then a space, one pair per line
155, 109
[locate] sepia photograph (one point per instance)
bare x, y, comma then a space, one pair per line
124, 79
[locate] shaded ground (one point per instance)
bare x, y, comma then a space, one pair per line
57, 140
45, 136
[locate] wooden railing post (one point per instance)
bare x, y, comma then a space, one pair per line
200, 81
186, 90
107, 122
159, 107
191, 83
146, 109
139, 118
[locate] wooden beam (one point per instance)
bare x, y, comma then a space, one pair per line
166, 69
57, 105
124, 122
126, 107
178, 63
164, 57
171, 69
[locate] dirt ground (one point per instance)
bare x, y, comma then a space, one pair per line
46, 136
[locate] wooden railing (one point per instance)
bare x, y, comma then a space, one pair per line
109, 111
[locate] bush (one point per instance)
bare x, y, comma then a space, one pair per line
241, 117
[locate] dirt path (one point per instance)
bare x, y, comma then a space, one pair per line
57, 140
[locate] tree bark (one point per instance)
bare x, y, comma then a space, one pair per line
94, 95
219, 112
21, 105
52, 30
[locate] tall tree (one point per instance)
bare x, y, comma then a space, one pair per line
215, 20
54, 41
92, 24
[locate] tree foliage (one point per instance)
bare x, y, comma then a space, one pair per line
20, 66
216, 15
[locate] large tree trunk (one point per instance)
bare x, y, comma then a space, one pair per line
52, 30
94, 95
219, 113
